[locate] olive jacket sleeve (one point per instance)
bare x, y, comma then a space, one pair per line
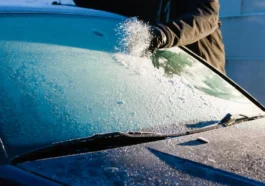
201, 19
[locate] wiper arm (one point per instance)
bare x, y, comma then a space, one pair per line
230, 119
117, 139
227, 121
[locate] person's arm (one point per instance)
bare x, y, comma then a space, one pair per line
201, 21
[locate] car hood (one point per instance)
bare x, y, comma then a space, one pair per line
58, 9
233, 155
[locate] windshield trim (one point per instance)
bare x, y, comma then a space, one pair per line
224, 77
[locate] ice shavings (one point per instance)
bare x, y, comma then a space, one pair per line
134, 37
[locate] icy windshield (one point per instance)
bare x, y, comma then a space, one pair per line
62, 78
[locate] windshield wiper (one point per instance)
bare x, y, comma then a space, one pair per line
90, 144
117, 139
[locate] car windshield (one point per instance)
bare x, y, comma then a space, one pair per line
62, 78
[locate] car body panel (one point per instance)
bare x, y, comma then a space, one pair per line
66, 10
11, 175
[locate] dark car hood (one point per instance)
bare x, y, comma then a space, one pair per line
234, 155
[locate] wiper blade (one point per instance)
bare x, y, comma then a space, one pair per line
90, 144
117, 139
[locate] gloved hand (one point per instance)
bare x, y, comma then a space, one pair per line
158, 40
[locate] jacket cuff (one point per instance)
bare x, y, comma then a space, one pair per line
169, 35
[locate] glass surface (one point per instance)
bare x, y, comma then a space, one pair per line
61, 78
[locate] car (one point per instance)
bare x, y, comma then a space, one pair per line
76, 110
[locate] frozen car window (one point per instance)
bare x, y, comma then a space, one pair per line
61, 78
